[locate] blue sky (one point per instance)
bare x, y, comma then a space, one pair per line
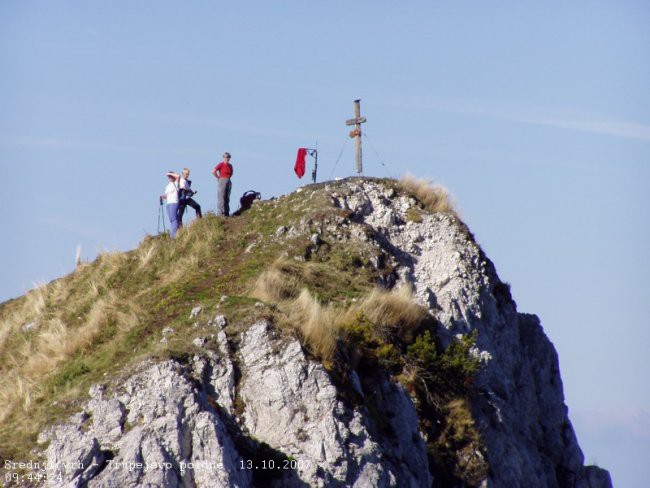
536, 117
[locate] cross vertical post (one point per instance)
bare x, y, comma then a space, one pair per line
356, 133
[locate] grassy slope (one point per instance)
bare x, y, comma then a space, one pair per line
109, 314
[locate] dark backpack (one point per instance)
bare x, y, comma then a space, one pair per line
246, 201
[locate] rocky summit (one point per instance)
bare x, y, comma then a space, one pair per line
352, 333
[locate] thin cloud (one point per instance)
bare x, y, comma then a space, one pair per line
559, 118
628, 130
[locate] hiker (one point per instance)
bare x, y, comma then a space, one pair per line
223, 172
171, 195
185, 194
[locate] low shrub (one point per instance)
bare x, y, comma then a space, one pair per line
458, 447
447, 372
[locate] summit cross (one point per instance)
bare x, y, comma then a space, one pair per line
356, 133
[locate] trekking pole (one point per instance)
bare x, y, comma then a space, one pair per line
161, 216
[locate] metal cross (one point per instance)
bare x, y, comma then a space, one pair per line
356, 133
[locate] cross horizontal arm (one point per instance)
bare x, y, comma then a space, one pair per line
355, 121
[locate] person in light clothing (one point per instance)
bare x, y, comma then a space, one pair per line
223, 172
171, 196
185, 194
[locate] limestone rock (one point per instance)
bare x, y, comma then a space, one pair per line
73, 456
292, 405
195, 312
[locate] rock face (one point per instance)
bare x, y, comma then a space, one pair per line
267, 415
156, 431
160, 429
529, 438
301, 416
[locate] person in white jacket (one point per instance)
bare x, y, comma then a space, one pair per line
185, 194
171, 195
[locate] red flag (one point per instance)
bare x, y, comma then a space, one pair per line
299, 167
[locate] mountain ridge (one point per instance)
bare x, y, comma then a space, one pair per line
508, 426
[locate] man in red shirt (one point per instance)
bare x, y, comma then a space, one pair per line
223, 172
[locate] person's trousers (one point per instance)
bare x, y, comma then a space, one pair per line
223, 196
172, 212
185, 203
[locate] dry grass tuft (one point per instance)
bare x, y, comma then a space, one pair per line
279, 283
435, 198
111, 263
12, 389
36, 300
31, 310
317, 324
146, 254
393, 313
